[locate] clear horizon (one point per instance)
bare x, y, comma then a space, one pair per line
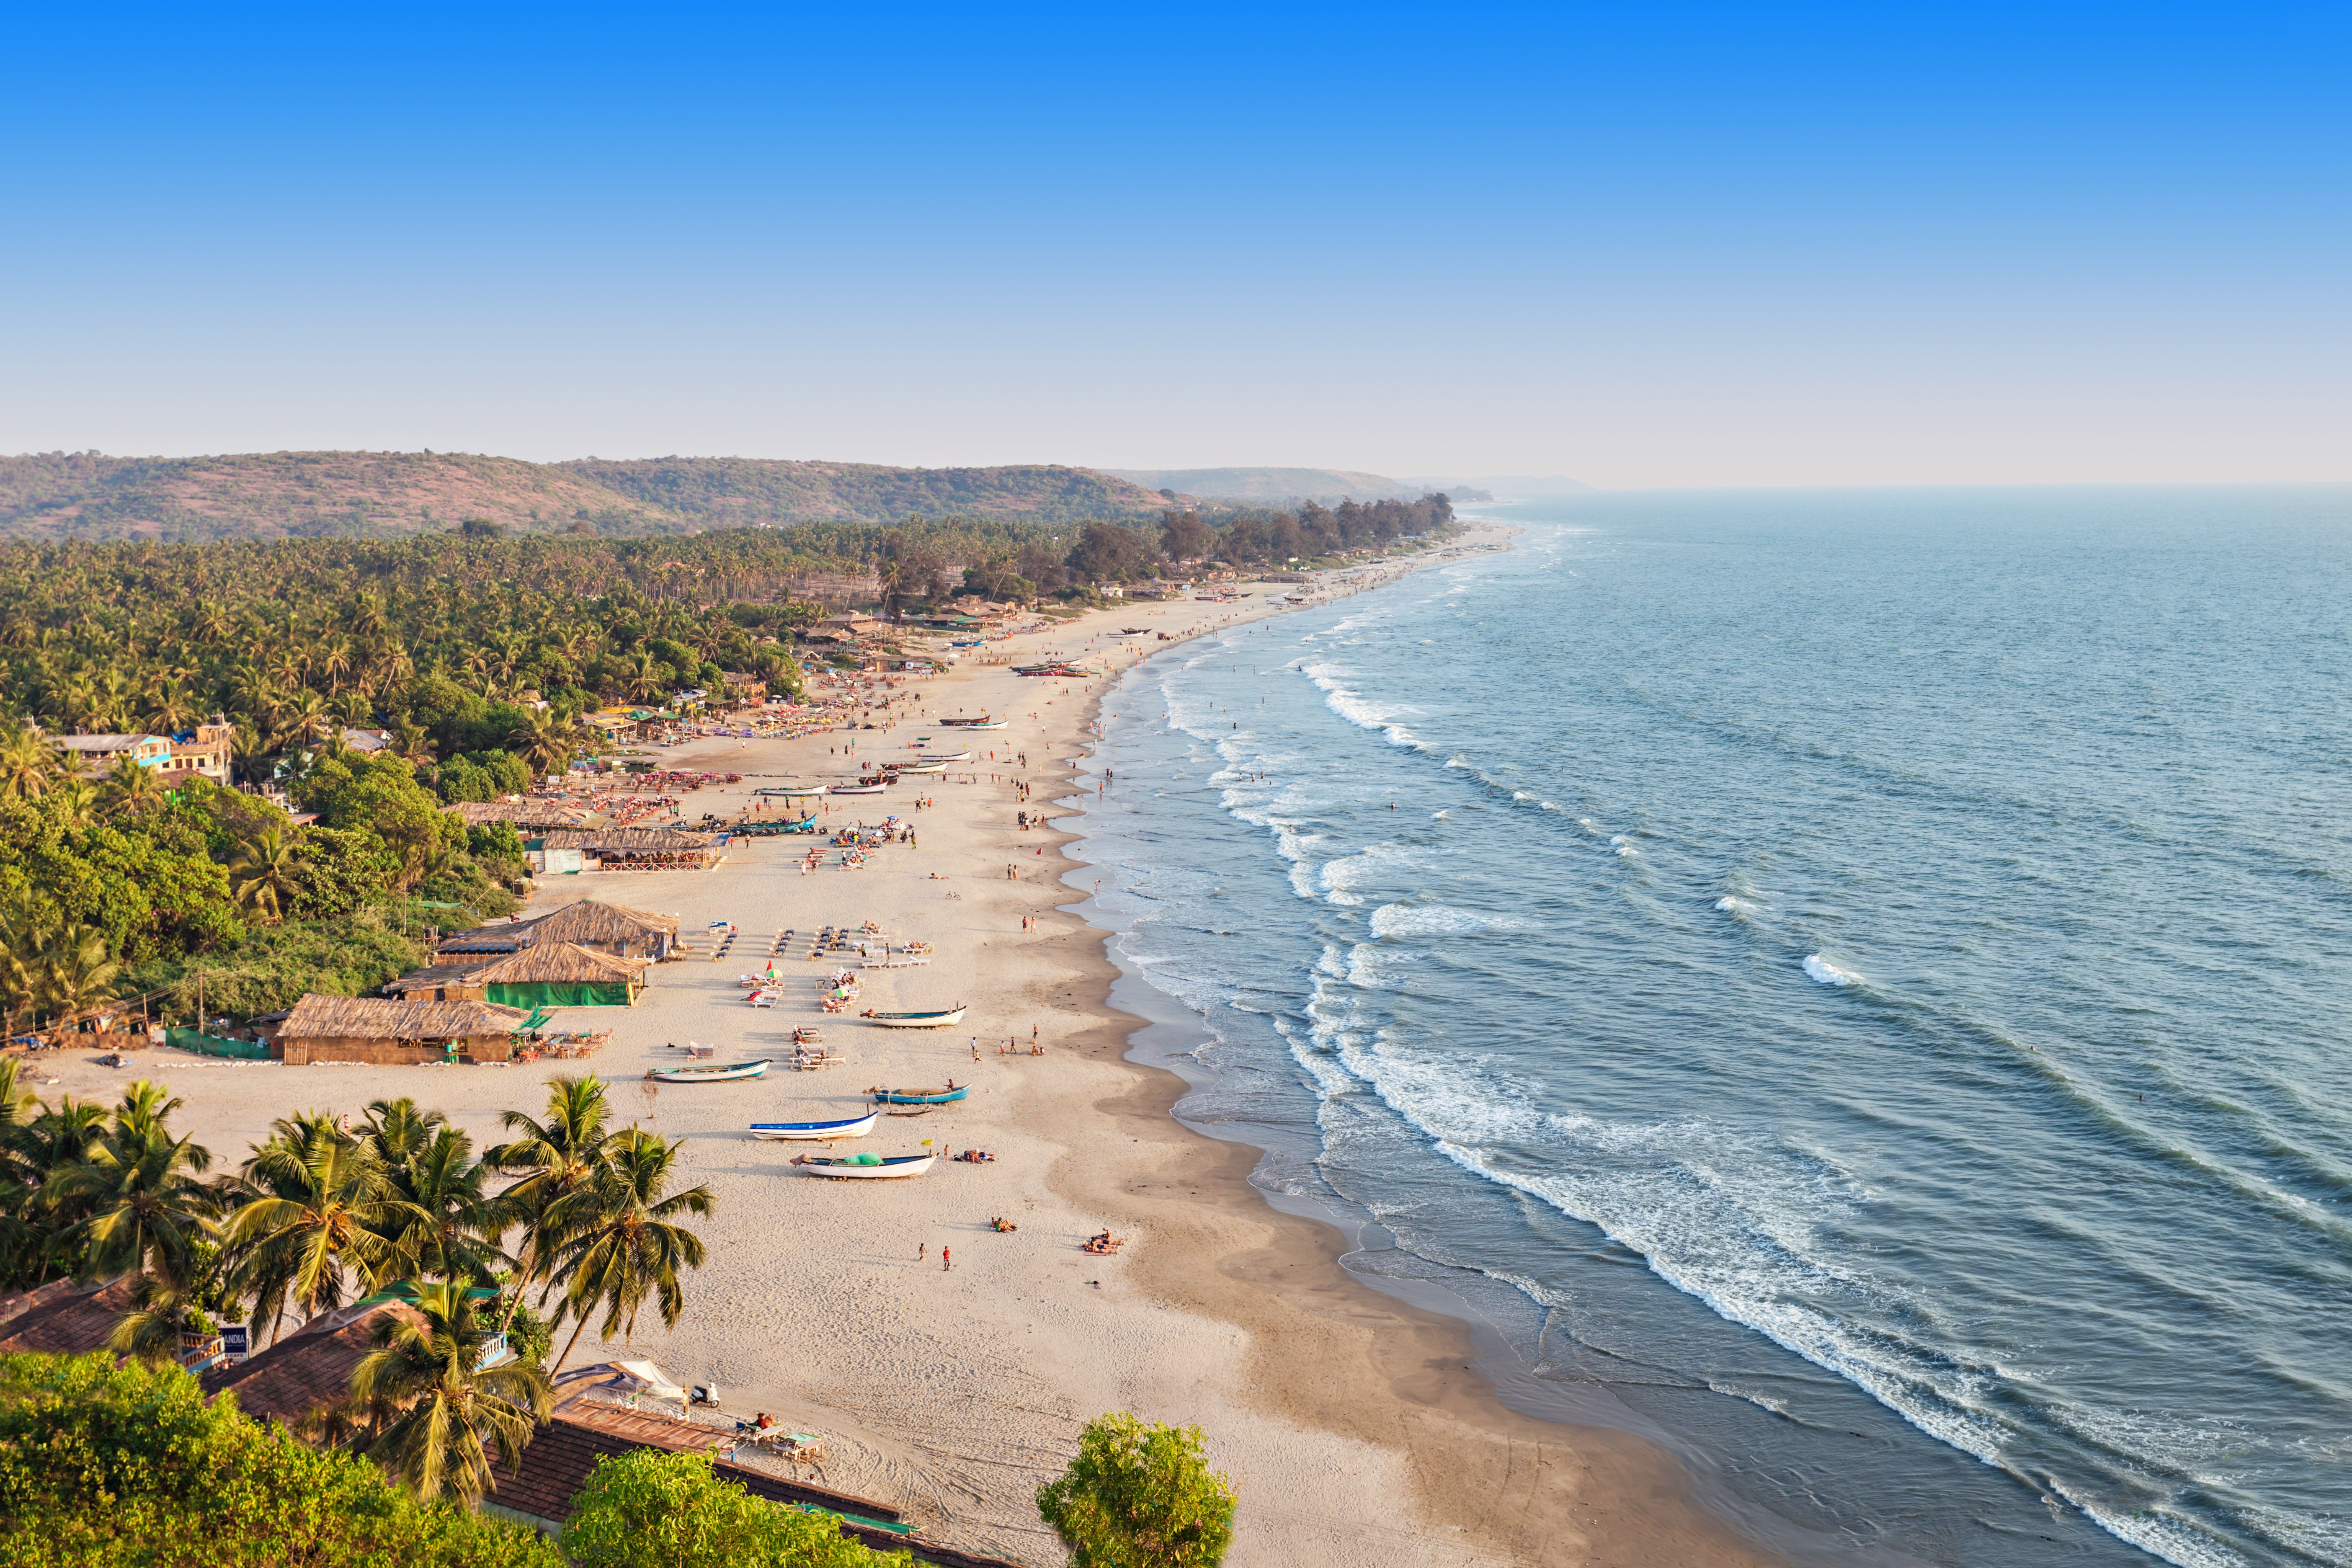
1700, 251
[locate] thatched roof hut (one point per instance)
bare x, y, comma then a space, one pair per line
603, 928
639, 849
365, 1029
521, 813
440, 982
561, 974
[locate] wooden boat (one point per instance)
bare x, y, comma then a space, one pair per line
868, 1167
915, 1020
920, 1096
983, 723
849, 1127
726, 1074
922, 765
855, 789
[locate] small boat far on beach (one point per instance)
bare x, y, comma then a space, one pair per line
944, 1016
855, 789
849, 1127
983, 723
920, 1096
726, 1074
871, 1167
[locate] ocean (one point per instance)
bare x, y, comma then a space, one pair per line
1851, 983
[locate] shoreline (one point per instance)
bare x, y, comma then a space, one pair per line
1359, 1429
1444, 1396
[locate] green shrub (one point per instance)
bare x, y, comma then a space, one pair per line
650, 1509
1139, 1496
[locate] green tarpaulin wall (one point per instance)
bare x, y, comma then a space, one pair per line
561, 993
213, 1046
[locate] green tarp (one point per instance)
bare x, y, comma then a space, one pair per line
213, 1046
561, 993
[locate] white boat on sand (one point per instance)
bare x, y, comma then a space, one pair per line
868, 1167
849, 1127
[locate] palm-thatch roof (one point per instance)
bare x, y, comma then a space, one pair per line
434, 977
560, 961
369, 1018
627, 840
521, 813
589, 920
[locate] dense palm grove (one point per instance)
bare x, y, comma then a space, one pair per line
476, 653
569, 1217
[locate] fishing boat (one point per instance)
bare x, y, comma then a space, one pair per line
726, 1074
870, 1167
940, 1019
788, 790
920, 1096
920, 766
929, 758
855, 789
983, 723
849, 1127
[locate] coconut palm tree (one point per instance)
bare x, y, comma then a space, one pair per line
29, 763
452, 1411
317, 1213
57, 1139
147, 1206
556, 1157
265, 874
130, 787
622, 1241
77, 971
543, 741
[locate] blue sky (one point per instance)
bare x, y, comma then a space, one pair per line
1659, 246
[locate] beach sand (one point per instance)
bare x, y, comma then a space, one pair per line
1355, 1428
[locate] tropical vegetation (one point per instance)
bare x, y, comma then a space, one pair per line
488, 1253
1140, 1496
649, 1509
107, 1464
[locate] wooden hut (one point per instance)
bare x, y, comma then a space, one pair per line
365, 1029
600, 928
560, 975
639, 849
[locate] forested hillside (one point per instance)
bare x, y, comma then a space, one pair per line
364, 495
728, 491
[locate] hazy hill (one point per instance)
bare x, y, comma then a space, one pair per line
722, 491
84, 495
1269, 484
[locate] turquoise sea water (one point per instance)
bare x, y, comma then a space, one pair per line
1862, 980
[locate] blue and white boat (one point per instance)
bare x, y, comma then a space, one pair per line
849, 1127
920, 1096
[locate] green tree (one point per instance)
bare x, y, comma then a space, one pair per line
147, 1205
125, 1465
29, 763
554, 1158
266, 873
652, 1510
1140, 1496
318, 1214
621, 1237
452, 1410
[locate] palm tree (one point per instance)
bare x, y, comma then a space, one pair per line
452, 1410
431, 1166
77, 971
73, 802
147, 1208
29, 763
621, 1242
543, 741
319, 1209
58, 1140
265, 874
557, 1157
130, 787
165, 1306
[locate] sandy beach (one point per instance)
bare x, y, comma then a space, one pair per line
1355, 1428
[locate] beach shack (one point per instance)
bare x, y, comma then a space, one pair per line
610, 928
561, 974
638, 849
388, 1032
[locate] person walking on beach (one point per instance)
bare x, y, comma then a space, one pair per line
921, 1249
946, 1262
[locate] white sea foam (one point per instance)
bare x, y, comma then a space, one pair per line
1441, 920
1829, 973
